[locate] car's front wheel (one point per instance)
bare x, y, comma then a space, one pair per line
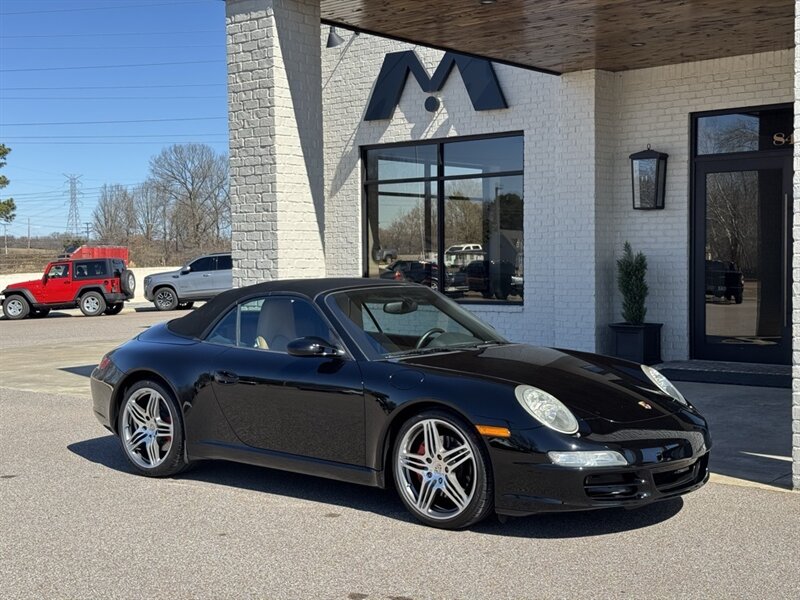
16, 307
92, 304
165, 299
150, 430
442, 471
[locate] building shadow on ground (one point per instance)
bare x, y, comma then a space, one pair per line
106, 451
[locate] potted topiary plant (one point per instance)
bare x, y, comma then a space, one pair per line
634, 339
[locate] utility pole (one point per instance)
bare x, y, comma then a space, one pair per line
5, 236
88, 235
29, 233
74, 218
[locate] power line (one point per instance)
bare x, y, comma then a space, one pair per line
72, 137
210, 142
86, 35
88, 67
93, 8
112, 98
113, 122
118, 87
193, 46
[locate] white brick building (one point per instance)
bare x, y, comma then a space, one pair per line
301, 186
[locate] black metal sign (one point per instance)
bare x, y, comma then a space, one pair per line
478, 76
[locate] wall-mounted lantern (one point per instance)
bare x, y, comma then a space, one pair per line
649, 177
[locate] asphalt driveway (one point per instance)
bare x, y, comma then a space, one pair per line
76, 523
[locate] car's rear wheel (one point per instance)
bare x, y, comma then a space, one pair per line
16, 307
39, 313
442, 471
165, 299
114, 309
92, 304
150, 430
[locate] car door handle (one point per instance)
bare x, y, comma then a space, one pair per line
225, 377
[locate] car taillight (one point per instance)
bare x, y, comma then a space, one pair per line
398, 276
104, 362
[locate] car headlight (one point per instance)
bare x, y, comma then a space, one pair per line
664, 384
546, 408
591, 458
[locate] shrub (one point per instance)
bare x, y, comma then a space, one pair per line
632, 269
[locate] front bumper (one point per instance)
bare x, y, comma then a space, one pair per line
663, 463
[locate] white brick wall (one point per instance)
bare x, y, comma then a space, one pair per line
275, 110
653, 107
579, 131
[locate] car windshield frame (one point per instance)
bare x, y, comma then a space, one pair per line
482, 333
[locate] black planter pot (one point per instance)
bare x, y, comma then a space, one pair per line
639, 343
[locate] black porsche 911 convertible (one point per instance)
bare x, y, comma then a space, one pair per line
377, 382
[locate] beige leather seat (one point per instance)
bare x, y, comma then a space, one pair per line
276, 325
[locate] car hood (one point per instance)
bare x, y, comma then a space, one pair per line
33, 283
590, 385
164, 275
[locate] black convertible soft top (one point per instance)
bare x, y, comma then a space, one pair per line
196, 322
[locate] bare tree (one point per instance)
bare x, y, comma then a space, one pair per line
194, 180
114, 216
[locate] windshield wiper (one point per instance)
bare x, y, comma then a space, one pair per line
418, 351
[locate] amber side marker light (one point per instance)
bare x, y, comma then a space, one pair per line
493, 431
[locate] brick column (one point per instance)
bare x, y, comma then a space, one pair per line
796, 267
275, 123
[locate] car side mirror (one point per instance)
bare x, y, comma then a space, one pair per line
313, 346
186, 270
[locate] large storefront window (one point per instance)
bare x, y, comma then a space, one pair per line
448, 215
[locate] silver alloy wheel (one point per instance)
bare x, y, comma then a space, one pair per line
165, 298
147, 430
91, 304
437, 469
14, 307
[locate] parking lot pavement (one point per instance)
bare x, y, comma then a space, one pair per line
77, 524
56, 354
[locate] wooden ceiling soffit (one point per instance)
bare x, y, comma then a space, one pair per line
573, 35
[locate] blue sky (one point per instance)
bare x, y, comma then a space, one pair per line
61, 61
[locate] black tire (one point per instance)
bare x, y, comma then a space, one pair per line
738, 298
92, 304
114, 309
127, 282
173, 458
16, 307
481, 503
165, 298
39, 313
185, 305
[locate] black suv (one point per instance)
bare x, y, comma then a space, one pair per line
724, 279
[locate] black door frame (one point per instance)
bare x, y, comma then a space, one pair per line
779, 159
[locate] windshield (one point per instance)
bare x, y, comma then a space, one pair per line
396, 321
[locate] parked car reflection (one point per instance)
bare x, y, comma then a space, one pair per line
724, 280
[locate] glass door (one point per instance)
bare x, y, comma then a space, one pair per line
741, 254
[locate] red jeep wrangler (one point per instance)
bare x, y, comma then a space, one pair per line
97, 286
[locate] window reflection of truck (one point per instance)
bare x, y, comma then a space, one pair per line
460, 255
492, 278
724, 280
